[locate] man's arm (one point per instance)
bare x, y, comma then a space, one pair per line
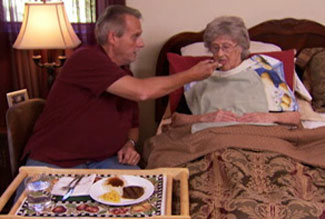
149, 88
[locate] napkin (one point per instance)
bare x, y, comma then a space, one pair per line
81, 189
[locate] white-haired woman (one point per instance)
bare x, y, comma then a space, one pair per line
243, 89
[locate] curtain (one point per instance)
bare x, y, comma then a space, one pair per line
5, 66
85, 31
102, 4
17, 69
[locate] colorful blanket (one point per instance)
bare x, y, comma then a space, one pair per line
247, 171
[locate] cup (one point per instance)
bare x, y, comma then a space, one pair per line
38, 189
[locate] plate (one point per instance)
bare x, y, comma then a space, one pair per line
97, 189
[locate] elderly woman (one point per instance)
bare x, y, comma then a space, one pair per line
243, 89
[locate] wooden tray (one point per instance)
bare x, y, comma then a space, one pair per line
180, 174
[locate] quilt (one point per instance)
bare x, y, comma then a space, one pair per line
247, 171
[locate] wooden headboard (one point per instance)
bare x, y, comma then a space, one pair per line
288, 33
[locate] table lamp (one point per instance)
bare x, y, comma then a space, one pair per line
46, 26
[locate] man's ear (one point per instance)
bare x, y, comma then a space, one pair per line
111, 37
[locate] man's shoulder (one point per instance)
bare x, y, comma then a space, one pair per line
89, 54
88, 49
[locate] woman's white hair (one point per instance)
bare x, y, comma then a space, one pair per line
231, 26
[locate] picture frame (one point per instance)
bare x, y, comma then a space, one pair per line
17, 97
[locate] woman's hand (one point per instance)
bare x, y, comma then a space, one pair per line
179, 119
219, 116
257, 117
288, 118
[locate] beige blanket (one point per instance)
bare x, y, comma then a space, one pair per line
179, 146
247, 171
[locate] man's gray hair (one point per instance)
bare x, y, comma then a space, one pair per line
231, 26
112, 19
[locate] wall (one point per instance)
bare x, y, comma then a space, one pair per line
164, 18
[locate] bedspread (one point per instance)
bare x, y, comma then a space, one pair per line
247, 171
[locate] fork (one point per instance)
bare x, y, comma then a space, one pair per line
71, 187
66, 187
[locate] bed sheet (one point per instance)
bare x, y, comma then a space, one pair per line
314, 124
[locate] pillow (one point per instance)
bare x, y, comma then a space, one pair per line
195, 49
198, 48
306, 54
179, 63
287, 58
304, 62
258, 47
316, 72
301, 90
307, 112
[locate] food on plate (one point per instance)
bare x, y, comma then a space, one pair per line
118, 190
114, 182
132, 192
111, 196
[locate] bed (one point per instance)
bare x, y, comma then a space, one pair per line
248, 171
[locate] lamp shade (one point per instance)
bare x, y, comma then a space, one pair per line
46, 26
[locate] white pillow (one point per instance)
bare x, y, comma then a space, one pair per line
301, 89
198, 48
258, 47
195, 49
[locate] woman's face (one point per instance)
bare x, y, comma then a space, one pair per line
227, 52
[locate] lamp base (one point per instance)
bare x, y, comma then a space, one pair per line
50, 67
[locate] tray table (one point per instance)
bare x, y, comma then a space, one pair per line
180, 174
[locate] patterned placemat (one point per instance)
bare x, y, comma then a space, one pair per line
85, 206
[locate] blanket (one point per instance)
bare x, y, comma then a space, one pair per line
247, 171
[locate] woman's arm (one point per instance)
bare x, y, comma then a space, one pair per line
179, 119
286, 118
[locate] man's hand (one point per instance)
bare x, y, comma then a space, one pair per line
128, 155
203, 69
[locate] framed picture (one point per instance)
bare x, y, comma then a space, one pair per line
17, 97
